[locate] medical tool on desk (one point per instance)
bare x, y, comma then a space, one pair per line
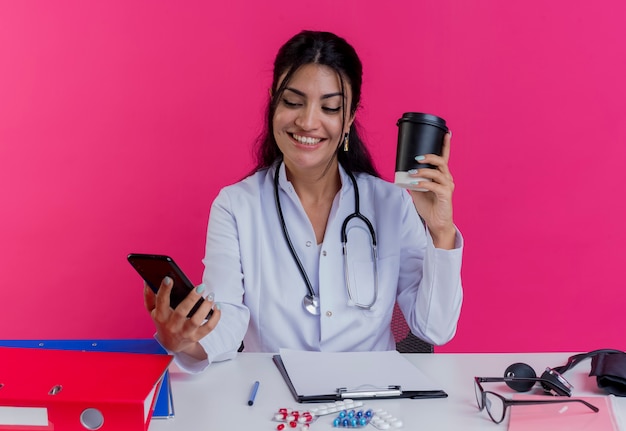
608, 365
310, 300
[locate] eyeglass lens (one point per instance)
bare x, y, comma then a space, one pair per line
495, 407
479, 395
494, 404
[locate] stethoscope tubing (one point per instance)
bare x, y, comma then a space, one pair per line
279, 209
344, 242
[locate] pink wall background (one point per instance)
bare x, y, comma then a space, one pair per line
121, 120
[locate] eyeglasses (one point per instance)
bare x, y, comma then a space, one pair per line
497, 405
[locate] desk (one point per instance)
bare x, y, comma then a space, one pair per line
217, 398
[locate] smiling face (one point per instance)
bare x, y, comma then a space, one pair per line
308, 121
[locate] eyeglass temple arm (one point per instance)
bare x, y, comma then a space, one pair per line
509, 379
571, 400
515, 379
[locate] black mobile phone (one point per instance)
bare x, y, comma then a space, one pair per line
153, 268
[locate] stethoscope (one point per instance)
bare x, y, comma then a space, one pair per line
311, 301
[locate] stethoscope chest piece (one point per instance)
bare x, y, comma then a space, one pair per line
311, 304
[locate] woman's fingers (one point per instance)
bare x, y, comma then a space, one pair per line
176, 330
149, 297
162, 308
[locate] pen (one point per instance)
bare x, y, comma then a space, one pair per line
255, 388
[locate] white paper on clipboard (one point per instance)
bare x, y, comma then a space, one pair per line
316, 373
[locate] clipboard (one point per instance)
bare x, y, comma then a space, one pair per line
363, 391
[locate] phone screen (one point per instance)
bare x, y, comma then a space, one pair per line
153, 268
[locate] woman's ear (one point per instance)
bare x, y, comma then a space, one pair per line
349, 124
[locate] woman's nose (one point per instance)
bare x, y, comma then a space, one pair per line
307, 119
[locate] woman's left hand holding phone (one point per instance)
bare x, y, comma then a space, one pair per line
176, 332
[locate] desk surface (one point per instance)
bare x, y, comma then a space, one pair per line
217, 398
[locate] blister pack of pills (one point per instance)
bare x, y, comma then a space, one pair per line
383, 420
353, 418
290, 419
337, 406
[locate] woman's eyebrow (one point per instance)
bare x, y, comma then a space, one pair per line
325, 96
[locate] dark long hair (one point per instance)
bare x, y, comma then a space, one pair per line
327, 49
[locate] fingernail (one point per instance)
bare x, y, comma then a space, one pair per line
419, 158
218, 306
200, 288
450, 132
167, 280
414, 183
412, 171
210, 297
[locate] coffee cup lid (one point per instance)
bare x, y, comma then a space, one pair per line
419, 117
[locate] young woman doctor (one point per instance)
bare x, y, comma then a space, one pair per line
312, 250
